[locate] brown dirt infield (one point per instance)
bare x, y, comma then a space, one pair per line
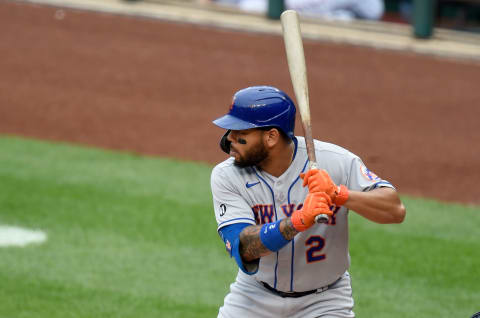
154, 87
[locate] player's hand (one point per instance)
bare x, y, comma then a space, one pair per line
320, 181
315, 204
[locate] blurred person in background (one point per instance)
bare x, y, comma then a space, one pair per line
345, 10
338, 9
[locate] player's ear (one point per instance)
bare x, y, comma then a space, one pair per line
272, 137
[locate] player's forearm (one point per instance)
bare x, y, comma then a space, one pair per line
251, 246
380, 205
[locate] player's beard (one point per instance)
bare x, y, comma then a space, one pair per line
253, 157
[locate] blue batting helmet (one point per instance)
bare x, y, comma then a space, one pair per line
260, 106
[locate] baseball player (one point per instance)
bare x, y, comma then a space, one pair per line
265, 204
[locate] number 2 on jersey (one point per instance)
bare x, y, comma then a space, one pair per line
316, 243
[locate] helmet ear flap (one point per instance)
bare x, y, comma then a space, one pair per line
225, 143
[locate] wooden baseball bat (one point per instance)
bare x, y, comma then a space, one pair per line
298, 73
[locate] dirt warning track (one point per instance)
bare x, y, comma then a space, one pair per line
154, 87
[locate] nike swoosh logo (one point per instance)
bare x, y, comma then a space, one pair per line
249, 185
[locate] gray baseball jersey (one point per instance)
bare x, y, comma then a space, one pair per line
314, 258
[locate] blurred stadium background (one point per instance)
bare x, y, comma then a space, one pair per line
106, 147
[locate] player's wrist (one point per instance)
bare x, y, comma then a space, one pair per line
341, 196
298, 221
287, 229
271, 236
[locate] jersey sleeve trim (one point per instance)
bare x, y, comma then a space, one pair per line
380, 184
234, 221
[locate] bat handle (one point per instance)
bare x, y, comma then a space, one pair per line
321, 218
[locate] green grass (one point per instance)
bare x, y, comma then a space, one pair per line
133, 236
128, 236
429, 266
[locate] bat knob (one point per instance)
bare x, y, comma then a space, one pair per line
321, 218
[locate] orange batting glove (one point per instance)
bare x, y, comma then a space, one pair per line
316, 203
320, 181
